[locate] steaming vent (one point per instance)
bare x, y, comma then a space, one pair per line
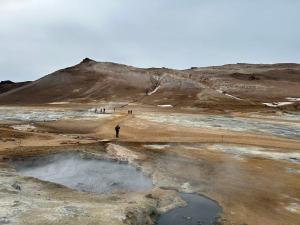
81, 172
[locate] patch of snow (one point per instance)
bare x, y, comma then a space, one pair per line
157, 146
231, 96
293, 207
293, 99
165, 106
76, 90
155, 90
257, 152
24, 127
58, 103
277, 104
228, 95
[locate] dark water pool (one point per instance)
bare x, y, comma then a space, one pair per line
199, 211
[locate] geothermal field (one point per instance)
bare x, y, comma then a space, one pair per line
201, 146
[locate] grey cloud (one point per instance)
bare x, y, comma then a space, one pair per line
38, 37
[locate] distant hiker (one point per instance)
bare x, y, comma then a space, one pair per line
114, 109
95, 110
117, 129
104, 110
101, 110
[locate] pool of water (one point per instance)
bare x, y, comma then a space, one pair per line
199, 211
84, 173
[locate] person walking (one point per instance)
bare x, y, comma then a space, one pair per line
117, 129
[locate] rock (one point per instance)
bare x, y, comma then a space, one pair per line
187, 217
7, 82
145, 216
87, 60
16, 186
4, 220
149, 196
216, 223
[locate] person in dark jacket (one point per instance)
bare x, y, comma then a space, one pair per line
117, 129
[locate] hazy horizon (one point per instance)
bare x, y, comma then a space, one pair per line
39, 38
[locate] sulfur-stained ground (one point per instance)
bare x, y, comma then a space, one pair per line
248, 162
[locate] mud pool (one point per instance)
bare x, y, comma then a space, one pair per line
84, 173
199, 211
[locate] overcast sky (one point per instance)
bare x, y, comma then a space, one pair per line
38, 37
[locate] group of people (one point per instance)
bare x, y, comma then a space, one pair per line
117, 128
101, 110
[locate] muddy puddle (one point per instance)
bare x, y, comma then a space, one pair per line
199, 211
84, 173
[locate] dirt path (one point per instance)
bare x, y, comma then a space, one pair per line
137, 130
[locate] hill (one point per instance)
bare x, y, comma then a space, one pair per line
229, 85
8, 85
